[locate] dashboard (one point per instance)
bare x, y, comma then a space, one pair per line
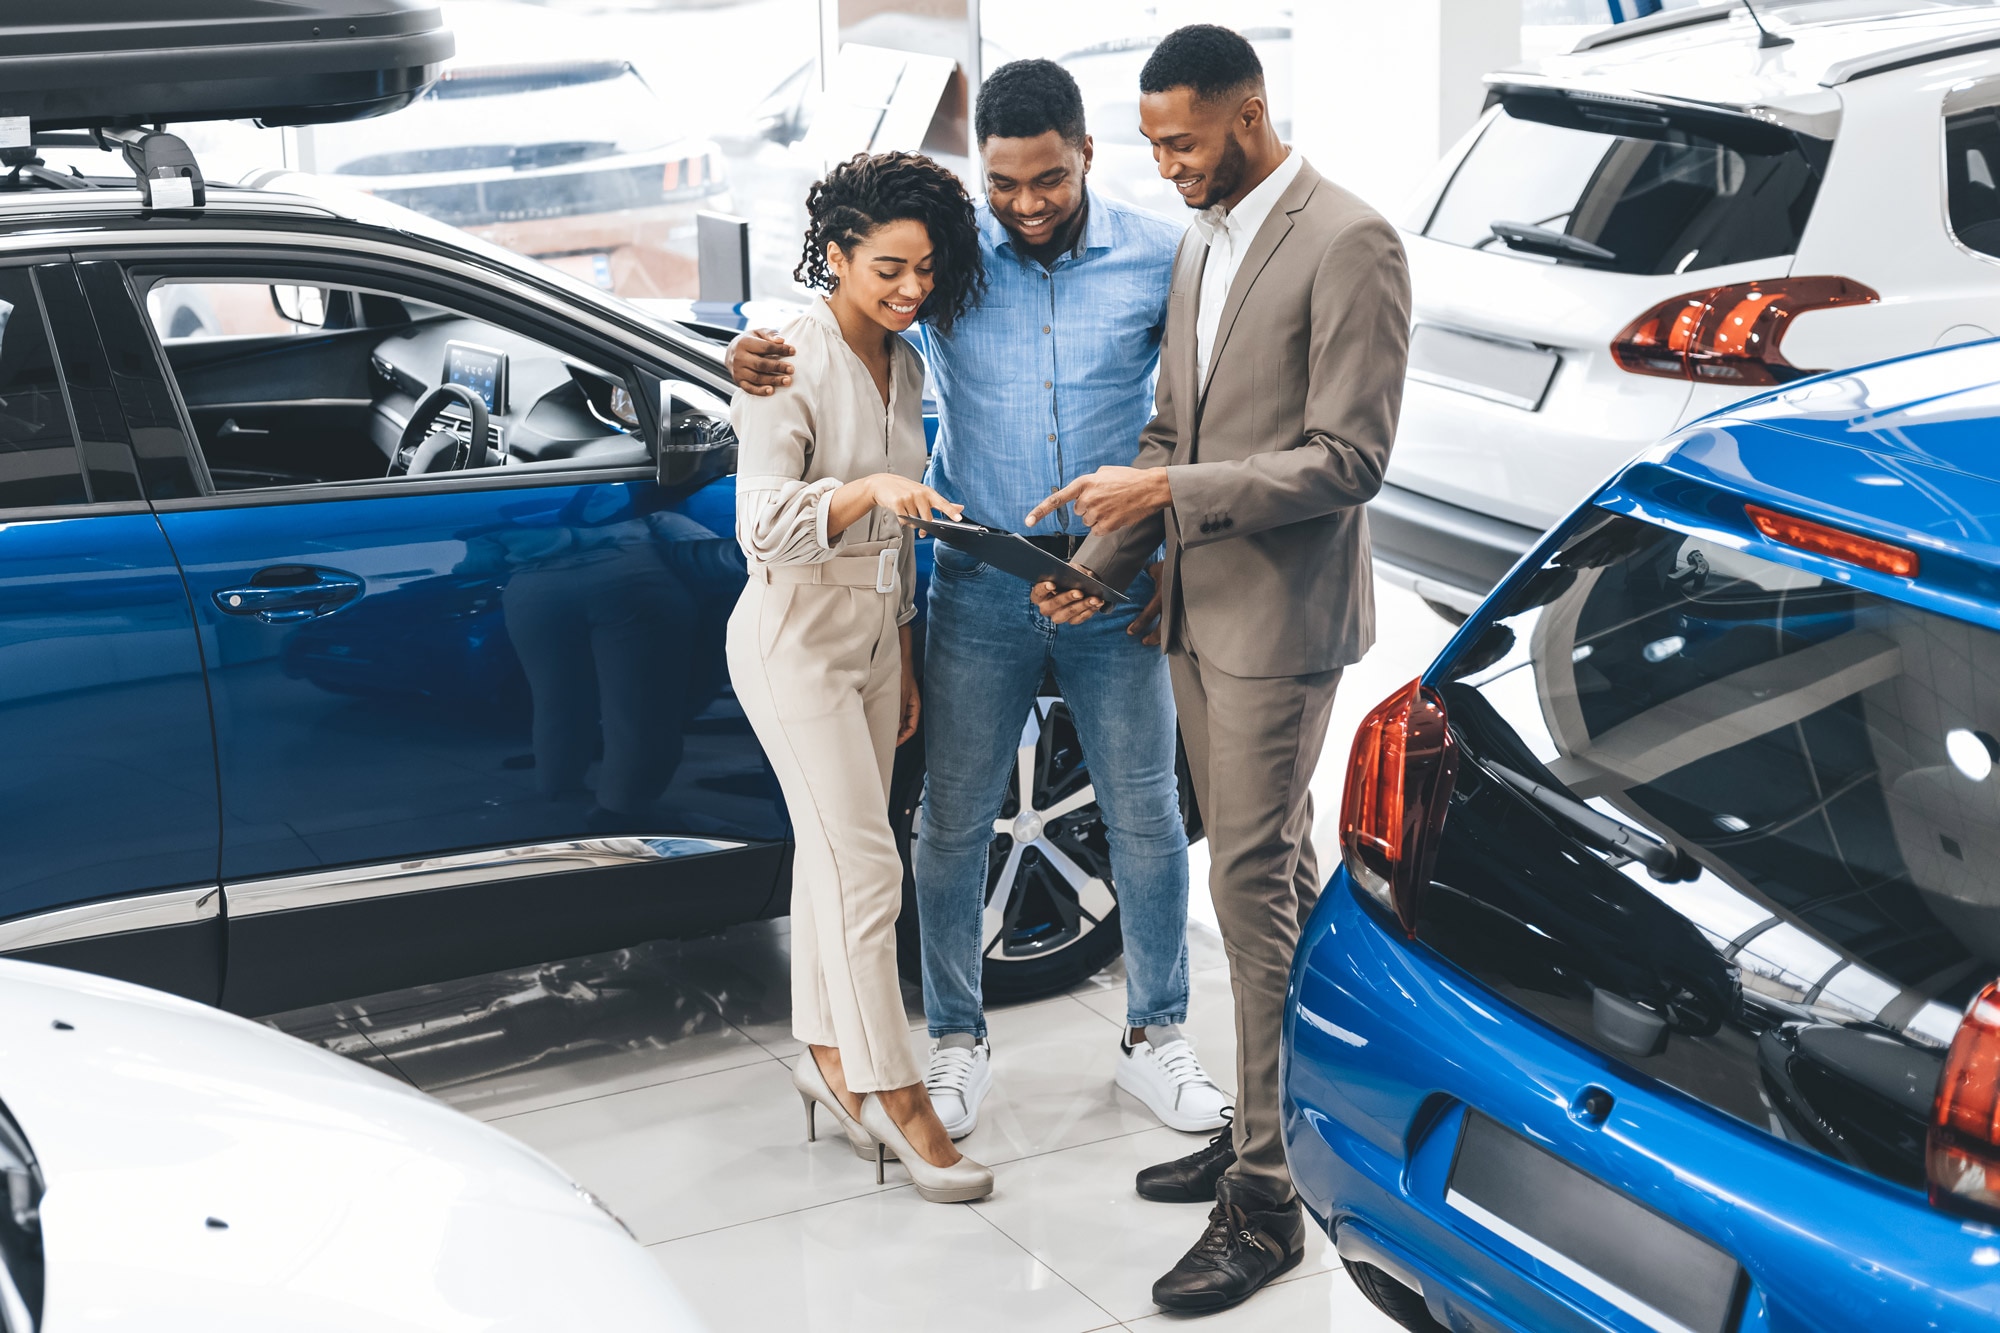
545, 407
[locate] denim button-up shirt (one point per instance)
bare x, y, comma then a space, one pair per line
1051, 375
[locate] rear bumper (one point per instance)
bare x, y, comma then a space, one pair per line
1385, 1050
1444, 552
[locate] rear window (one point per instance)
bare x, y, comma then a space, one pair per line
1629, 189
1826, 756
1816, 772
1972, 178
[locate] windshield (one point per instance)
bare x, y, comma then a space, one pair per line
1673, 200
503, 117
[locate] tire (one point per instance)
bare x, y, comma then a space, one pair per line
1392, 1298
1052, 903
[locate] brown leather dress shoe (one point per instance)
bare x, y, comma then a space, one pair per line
1249, 1241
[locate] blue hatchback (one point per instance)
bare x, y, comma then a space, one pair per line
1655, 991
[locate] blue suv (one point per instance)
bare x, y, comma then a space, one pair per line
362, 585
1657, 988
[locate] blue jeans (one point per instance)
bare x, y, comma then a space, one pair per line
985, 652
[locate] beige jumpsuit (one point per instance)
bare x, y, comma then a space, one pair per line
816, 661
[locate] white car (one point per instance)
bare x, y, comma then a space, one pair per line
166, 1166
1671, 217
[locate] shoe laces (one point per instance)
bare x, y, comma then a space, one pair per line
1228, 1227
950, 1070
1181, 1064
1223, 1142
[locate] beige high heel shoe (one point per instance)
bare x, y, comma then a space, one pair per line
814, 1089
961, 1182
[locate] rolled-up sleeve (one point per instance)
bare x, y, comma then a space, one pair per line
780, 519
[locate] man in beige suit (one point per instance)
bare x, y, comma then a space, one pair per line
1281, 376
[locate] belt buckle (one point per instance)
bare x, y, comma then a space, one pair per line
885, 568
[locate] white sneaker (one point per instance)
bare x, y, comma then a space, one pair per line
1164, 1073
960, 1076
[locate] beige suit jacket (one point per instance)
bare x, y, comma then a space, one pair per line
1267, 559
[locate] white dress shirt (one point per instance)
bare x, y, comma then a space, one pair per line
1230, 232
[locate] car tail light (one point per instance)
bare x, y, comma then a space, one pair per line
670, 175
1964, 1153
1836, 542
1730, 335
1399, 779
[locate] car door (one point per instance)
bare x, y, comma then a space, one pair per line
465, 719
107, 769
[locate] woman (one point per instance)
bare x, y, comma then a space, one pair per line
819, 646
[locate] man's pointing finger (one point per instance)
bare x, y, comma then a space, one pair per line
1054, 502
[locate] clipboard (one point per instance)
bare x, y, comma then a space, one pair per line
1011, 553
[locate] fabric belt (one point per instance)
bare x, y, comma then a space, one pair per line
1063, 547
877, 569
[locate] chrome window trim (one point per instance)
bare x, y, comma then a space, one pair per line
113, 916
328, 888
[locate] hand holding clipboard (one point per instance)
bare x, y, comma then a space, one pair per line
1011, 553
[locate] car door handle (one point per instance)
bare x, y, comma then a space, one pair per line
229, 430
284, 594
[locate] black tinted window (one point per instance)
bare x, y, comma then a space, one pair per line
1972, 178
166, 456
38, 457
1827, 756
1663, 196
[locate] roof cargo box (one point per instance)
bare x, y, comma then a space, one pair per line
90, 64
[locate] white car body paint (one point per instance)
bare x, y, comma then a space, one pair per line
351, 1201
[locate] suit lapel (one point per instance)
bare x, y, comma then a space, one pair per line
1265, 244
1185, 368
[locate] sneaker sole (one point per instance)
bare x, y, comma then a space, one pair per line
1170, 1117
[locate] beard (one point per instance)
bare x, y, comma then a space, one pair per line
1227, 175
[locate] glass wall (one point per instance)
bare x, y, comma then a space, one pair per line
1105, 44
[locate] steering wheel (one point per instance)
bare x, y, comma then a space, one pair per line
443, 452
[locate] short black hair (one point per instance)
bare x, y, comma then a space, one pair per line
1025, 99
866, 192
1212, 61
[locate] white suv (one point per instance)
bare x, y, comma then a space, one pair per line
1668, 218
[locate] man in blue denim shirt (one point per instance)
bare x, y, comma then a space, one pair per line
1049, 377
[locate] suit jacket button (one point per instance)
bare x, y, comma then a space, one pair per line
1228, 522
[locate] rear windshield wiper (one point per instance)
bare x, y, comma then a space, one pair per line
1531, 239
1663, 861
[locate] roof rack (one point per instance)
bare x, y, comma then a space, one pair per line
1652, 23
161, 163
1916, 53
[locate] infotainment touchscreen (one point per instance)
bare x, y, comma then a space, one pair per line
480, 369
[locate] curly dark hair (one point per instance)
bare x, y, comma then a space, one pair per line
871, 190
1211, 60
1025, 99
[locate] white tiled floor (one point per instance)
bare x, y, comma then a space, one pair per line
657, 1077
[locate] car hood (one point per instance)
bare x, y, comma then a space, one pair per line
205, 1171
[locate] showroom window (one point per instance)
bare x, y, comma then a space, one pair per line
294, 384
38, 457
1691, 194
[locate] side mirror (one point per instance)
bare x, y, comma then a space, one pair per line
697, 444
304, 306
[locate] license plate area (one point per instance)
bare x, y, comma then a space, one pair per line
1656, 1271
1502, 372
